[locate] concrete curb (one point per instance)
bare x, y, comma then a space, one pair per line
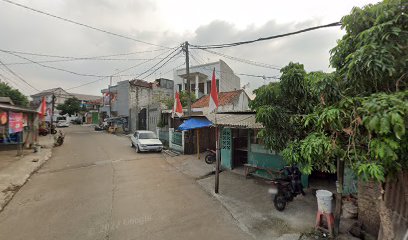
15, 176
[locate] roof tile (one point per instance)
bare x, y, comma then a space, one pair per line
224, 98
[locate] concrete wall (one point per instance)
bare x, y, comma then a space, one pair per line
122, 99
228, 81
140, 97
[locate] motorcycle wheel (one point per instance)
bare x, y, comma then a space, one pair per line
209, 159
288, 196
279, 202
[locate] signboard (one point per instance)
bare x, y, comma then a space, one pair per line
15, 122
3, 118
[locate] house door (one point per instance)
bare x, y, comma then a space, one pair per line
142, 119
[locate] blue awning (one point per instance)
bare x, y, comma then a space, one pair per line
194, 123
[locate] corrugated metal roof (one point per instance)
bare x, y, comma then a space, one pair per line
240, 120
15, 108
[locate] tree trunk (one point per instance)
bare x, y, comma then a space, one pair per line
385, 217
339, 195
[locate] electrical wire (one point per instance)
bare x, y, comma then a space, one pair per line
241, 74
80, 59
225, 45
82, 24
177, 53
18, 76
93, 57
251, 62
123, 70
156, 64
51, 67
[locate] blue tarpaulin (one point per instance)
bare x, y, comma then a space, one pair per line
194, 123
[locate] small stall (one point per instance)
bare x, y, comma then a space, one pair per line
241, 149
18, 126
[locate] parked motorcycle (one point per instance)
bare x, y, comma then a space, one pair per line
287, 188
59, 138
210, 157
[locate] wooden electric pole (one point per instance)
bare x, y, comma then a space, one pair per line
188, 79
110, 97
52, 113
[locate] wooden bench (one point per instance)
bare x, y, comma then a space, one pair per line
249, 169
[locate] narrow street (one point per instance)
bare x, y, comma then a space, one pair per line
96, 186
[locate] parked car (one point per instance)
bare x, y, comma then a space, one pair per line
63, 123
145, 141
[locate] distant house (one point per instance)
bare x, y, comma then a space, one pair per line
200, 78
87, 101
137, 102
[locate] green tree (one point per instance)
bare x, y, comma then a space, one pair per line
16, 96
169, 102
70, 106
184, 98
358, 115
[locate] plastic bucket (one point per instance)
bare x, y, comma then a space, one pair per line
324, 200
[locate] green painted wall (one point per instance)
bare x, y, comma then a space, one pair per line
95, 117
260, 156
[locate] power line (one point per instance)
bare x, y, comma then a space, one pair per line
225, 45
117, 72
241, 74
82, 24
162, 65
157, 63
18, 76
251, 62
80, 59
93, 57
51, 67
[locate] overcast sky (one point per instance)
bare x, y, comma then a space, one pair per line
166, 23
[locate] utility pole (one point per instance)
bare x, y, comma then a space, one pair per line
188, 79
52, 112
110, 97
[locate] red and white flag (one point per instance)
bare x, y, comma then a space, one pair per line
213, 104
177, 108
42, 109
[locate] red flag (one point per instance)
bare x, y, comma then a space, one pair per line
213, 104
42, 109
177, 108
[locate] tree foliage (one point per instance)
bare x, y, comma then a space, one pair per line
15, 95
359, 113
70, 106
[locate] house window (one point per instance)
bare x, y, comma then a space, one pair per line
209, 86
201, 87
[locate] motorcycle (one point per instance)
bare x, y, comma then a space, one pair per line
210, 157
59, 138
287, 188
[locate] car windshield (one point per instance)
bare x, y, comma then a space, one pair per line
147, 135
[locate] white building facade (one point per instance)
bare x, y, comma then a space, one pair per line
200, 78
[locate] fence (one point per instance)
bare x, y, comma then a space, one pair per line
164, 137
177, 138
396, 198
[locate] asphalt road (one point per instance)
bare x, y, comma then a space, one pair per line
97, 187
